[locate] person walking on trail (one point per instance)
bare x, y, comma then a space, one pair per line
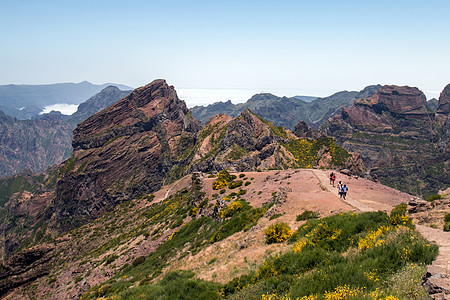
340, 189
344, 191
331, 178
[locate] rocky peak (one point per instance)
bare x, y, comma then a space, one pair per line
302, 130
402, 100
142, 110
444, 101
125, 150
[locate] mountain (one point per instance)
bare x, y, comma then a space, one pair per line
38, 143
284, 111
140, 143
96, 103
26, 101
133, 206
404, 145
432, 104
32, 144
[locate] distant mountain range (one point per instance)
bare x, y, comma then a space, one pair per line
36, 144
26, 101
287, 111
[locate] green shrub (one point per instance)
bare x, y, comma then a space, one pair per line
275, 216
247, 183
241, 175
398, 216
222, 191
307, 215
277, 233
447, 226
235, 184
432, 198
447, 218
139, 260
223, 179
175, 285
110, 259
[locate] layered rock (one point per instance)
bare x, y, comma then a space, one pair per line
126, 150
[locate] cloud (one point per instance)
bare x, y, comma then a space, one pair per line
64, 108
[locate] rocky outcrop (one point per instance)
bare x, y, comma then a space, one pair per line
444, 101
244, 143
302, 130
126, 150
402, 100
402, 143
24, 267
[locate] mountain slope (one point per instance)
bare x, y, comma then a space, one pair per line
405, 145
284, 111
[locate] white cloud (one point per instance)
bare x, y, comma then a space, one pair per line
64, 108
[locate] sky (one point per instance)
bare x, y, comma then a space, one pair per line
292, 47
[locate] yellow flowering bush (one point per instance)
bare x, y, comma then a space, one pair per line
277, 233
374, 238
342, 293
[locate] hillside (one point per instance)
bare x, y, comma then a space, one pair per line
128, 250
402, 143
34, 145
284, 111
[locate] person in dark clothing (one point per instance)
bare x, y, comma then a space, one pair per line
344, 191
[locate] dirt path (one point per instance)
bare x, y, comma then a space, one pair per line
325, 182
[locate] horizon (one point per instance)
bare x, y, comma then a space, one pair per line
259, 46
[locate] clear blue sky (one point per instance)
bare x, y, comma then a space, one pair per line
310, 46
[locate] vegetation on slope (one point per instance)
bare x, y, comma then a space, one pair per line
345, 256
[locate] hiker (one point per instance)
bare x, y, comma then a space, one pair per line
331, 178
344, 191
340, 189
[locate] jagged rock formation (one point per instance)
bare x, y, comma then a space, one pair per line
244, 143
128, 149
285, 111
402, 142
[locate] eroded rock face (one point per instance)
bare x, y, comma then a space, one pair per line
25, 266
444, 101
123, 151
403, 100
